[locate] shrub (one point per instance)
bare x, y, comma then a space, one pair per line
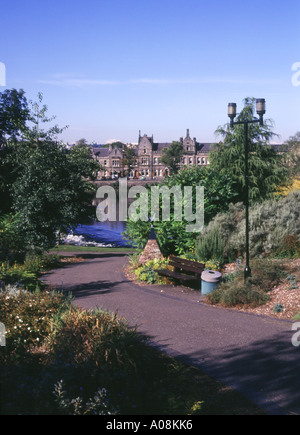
274, 228
12, 244
211, 246
265, 275
26, 275
28, 318
98, 405
289, 247
97, 337
238, 293
147, 272
18, 274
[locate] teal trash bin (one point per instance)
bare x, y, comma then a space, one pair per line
209, 281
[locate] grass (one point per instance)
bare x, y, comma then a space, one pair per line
71, 248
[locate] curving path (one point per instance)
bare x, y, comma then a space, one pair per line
253, 354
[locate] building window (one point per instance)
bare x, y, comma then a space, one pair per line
145, 150
155, 160
116, 163
105, 163
145, 161
191, 161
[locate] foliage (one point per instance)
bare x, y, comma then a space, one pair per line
211, 246
171, 157
274, 230
278, 308
14, 113
218, 189
26, 275
171, 234
147, 272
28, 319
42, 182
284, 191
127, 377
17, 274
267, 170
289, 247
235, 292
293, 157
128, 158
50, 194
11, 239
101, 360
98, 405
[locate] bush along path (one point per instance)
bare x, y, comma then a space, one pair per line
254, 354
60, 359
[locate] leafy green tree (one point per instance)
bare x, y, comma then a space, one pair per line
129, 158
14, 113
219, 189
51, 189
50, 194
173, 238
171, 157
266, 167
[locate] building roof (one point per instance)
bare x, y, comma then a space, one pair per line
101, 152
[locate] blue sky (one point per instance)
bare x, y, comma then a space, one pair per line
109, 68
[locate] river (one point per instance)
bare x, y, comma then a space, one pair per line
98, 234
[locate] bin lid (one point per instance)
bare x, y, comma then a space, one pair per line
211, 276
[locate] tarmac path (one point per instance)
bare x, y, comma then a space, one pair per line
252, 354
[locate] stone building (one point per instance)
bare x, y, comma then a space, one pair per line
147, 165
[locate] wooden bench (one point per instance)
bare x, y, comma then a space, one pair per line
184, 270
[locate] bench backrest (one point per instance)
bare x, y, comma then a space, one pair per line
191, 266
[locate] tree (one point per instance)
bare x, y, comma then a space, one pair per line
266, 167
171, 157
293, 157
14, 113
51, 190
50, 194
173, 238
128, 159
81, 142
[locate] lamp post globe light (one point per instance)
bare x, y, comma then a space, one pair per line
260, 110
